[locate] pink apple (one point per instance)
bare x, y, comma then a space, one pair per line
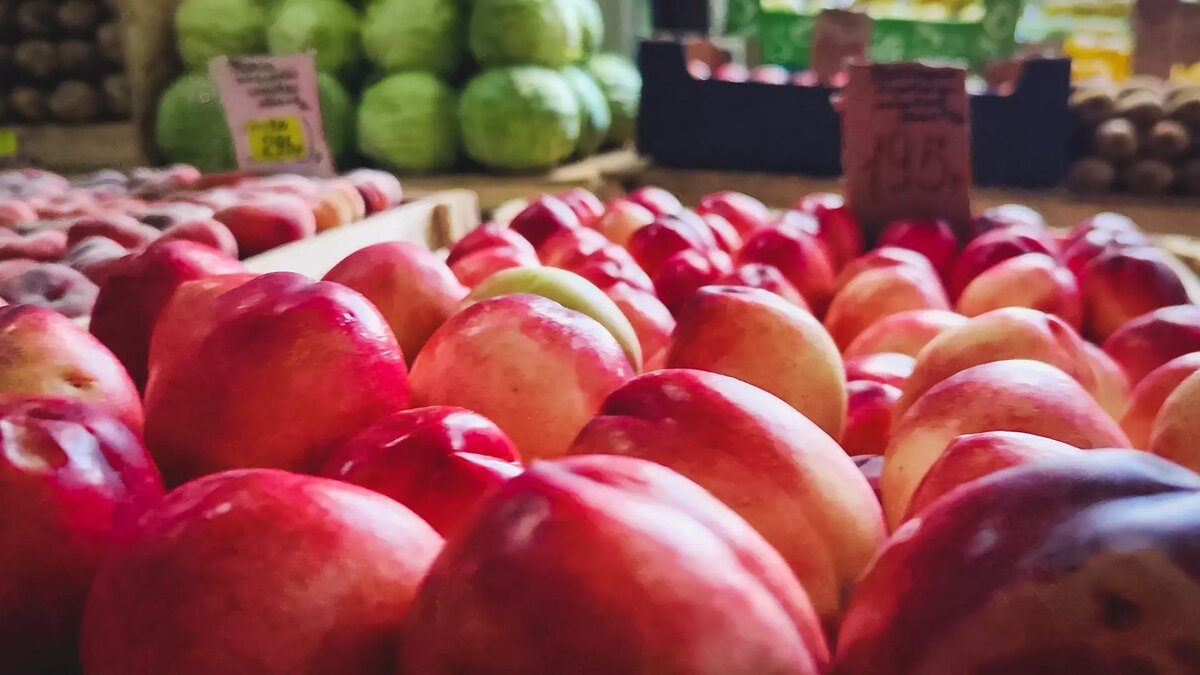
543, 217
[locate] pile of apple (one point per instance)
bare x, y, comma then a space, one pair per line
615, 439
60, 239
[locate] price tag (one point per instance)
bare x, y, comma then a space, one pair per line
10, 146
273, 110
839, 36
906, 146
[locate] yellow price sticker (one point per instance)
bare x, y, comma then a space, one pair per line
277, 140
9, 147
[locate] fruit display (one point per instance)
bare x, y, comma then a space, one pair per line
61, 240
1138, 136
63, 62
610, 438
416, 86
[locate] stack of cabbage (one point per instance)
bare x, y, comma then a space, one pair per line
513, 85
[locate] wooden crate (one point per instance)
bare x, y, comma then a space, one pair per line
150, 62
436, 221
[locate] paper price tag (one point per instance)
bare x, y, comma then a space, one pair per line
906, 147
10, 146
273, 110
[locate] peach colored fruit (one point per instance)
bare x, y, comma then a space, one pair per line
266, 222
543, 217
903, 333
72, 480
1080, 564
801, 258
1124, 284
930, 237
49, 355
234, 396
488, 235
1149, 395
744, 212
837, 227
475, 268
1149, 341
441, 462
1176, 431
622, 219
592, 590
259, 571
868, 417
973, 456
1009, 333
205, 231
1110, 384
651, 321
125, 230
409, 285
994, 247
53, 286
884, 367
137, 289
657, 200
766, 277
887, 256
538, 370
1015, 395
586, 205
759, 456
877, 294
380, 190
762, 339
1033, 280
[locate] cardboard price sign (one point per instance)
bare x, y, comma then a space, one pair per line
273, 110
839, 37
906, 143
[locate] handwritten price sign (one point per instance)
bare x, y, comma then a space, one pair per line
906, 143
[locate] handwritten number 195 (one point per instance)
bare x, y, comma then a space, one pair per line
911, 162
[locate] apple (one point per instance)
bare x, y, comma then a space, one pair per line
565, 246
931, 237
265, 222
766, 277
869, 407
802, 259
476, 267
53, 286
380, 190
259, 571
1150, 340
994, 247
876, 294
1148, 396
837, 226
886, 256
681, 275
544, 216
657, 200
1176, 431
489, 235
650, 318
884, 367
1123, 284
621, 219
559, 573
903, 333
586, 205
744, 212
123, 229
1033, 280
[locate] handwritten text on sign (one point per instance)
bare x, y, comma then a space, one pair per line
906, 143
273, 109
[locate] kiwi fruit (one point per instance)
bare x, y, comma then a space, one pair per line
75, 102
1168, 140
1091, 176
1150, 177
36, 59
1116, 139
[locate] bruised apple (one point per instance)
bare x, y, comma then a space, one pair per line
538, 370
601, 565
761, 457
259, 571
72, 480
438, 461
1084, 563
760, 338
284, 371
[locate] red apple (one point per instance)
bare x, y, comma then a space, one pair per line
652, 245
73, 478
564, 246
475, 268
282, 574
1149, 395
586, 205
1150, 340
885, 368
686, 272
489, 235
744, 212
887, 256
1033, 280
838, 228
930, 237
799, 256
544, 216
263, 223
657, 200
766, 277
380, 190
994, 247
1124, 284
621, 219
53, 286
205, 231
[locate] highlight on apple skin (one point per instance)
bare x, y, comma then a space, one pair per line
597, 565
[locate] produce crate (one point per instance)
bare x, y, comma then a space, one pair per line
1018, 140
435, 220
149, 63
785, 37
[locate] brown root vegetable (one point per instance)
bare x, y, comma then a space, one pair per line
111, 42
79, 58
36, 18
1093, 104
27, 104
1116, 139
36, 59
79, 17
1140, 84
1091, 176
1189, 176
1150, 177
1142, 107
117, 97
75, 102
1168, 139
